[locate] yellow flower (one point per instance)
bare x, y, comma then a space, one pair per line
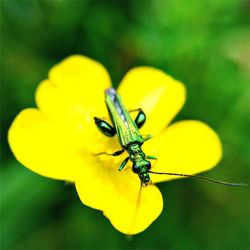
58, 138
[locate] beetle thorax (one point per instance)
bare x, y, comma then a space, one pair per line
140, 164
135, 153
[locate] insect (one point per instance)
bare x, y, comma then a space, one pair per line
130, 139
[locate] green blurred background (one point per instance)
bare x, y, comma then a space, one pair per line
203, 43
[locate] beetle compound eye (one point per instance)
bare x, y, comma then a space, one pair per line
135, 168
148, 165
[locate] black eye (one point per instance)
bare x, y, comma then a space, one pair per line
135, 168
148, 165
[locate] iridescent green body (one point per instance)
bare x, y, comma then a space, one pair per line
140, 165
125, 127
128, 134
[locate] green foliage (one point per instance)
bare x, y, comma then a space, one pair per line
205, 44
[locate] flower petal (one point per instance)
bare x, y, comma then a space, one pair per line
44, 146
130, 217
159, 95
75, 88
103, 187
186, 147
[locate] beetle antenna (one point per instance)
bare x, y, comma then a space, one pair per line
203, 178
